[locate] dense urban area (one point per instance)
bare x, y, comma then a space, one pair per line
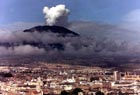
61, 79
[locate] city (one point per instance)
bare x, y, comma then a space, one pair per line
54, 79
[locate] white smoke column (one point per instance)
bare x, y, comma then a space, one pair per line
57, 15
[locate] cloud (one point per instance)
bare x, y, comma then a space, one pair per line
131, 21
57, 15
133, 16
21, 50
13, 43
27, 50
17, 26
103, 39
108, 39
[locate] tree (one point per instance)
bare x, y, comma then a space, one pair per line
99, 93
76, 91
64, 93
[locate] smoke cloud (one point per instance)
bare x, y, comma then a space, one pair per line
57, 15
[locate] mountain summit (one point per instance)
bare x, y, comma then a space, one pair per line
45, 37
53, 29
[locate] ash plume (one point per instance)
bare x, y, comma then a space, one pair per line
57, 15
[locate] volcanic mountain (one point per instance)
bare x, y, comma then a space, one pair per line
46, 37
54, 29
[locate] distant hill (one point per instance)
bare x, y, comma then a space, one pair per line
59, 31
54, 29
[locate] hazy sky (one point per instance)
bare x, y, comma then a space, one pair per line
107, 11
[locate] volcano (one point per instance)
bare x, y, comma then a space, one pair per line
58, 31
64, 32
